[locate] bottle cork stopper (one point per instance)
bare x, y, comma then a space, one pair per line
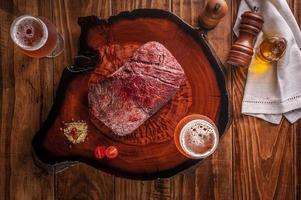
214, 11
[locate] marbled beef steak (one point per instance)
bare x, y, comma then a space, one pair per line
137, 90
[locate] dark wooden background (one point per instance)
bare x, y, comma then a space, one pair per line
255, 159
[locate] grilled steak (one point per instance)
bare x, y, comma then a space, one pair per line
137, 90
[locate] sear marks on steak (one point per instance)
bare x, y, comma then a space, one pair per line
137, 90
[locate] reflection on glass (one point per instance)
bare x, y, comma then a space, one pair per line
36, 36
272, 48
270, 51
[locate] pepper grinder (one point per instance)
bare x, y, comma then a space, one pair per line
242, 50
214, 11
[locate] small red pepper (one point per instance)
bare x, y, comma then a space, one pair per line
99, 152
111, 152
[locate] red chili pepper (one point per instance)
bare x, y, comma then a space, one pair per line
99, 152
111, 152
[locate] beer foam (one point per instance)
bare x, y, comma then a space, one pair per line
196, 134
29, 33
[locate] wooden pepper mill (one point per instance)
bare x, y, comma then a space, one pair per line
242, 50
214, 11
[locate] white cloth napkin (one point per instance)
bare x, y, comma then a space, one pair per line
274, 90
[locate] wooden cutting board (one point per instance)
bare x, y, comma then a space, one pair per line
150, 151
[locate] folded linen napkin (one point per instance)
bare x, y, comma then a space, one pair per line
274, 90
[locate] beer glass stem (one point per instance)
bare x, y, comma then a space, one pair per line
60, 44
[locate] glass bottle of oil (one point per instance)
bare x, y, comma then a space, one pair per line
272, 49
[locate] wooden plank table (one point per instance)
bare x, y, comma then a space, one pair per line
255, 159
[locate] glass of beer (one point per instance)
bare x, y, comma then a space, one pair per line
196, 136
36, 36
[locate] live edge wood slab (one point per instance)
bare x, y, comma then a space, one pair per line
104, 46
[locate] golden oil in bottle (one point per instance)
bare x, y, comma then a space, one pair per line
272, 49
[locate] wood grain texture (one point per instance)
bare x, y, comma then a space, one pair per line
136, 190
21, 179
188, 10
79, 182
221, 166
297, 161
129, 189
296, 9
265, 159
263, 153
211, 180
186, 184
